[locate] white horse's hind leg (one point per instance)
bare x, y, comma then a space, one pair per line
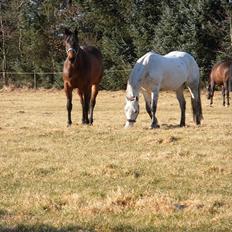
196, 102
182, 102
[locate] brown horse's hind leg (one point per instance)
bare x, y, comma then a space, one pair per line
212, 88
68, 92
227, 92
223, 95
228, 97
94, 92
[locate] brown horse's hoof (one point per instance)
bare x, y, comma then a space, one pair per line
85, 122
69, 125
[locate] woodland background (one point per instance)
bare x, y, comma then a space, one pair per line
31, 35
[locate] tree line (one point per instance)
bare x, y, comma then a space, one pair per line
31, 35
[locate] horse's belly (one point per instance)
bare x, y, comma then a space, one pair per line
171, 83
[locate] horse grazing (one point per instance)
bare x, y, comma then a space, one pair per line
153, 72
83, 70
220, 75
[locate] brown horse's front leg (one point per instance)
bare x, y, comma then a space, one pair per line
82, 100
85, 106
69, 109
94, 92
68, 92
223, 95
91, 108
212, 88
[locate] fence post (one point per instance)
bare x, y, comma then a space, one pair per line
35, 80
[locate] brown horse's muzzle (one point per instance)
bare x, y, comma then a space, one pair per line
71, 53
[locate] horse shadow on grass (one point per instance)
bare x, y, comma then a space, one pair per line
44, 228
171, 126
48, 228
117, 228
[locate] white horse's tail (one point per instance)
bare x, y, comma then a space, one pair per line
197, 106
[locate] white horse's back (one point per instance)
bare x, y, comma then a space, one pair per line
169, 72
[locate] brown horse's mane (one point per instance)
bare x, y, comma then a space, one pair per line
226, 61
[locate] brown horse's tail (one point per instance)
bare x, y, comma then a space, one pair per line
197, 107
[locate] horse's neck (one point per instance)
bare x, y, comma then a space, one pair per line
76, 64
134, 82
132, 90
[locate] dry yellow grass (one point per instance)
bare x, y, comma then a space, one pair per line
107, 178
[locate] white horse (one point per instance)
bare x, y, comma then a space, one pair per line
153, 72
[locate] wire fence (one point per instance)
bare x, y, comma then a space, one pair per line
52, 79
31, 79
35, 79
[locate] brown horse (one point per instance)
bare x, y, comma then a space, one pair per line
83, 70
220, 75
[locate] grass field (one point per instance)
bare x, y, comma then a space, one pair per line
107, 178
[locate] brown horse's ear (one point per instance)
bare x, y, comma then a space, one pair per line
67, 32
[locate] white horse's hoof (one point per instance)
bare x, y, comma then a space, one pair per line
129, 124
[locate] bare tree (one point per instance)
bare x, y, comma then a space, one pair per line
5, 79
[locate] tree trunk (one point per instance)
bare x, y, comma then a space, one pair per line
5, 79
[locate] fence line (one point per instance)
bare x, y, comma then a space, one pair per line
54, 73
36, 76
31, 73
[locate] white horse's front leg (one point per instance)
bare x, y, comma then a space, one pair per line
154, 100
147, 98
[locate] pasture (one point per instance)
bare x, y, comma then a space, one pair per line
107, 178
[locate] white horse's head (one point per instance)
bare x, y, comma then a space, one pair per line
131, 110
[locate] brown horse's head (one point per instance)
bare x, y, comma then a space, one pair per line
71, 43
